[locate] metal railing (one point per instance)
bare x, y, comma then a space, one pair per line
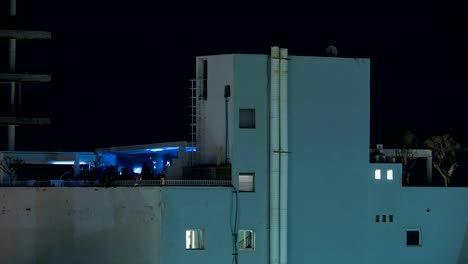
117, 183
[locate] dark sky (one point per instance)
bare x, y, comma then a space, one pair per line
121, 70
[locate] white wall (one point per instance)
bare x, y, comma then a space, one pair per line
80, 225
220, 73
208, 208
250, 151
440, 213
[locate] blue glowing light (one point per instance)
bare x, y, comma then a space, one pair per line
164, 149
137, 170
65, 162
190, 149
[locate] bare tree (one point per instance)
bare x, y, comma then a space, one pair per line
445, 154
406, 142
10, 166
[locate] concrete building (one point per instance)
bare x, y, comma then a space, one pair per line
294, 133
14, 116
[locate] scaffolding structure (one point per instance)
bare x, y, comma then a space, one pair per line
14, 79
196, 118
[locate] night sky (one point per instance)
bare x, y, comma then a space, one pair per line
121, 70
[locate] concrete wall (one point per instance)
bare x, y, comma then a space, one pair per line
329, 125
251, 151
220, 73
440, 213
329, 143
209, 208
80, 225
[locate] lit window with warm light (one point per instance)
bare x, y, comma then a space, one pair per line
390, 175
377, 174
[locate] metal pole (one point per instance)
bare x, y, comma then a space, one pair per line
12, 60
227, 132
19, 96
12, 8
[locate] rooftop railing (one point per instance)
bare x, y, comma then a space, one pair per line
117, 183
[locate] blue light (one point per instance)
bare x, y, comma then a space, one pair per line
65, 162
137, 170
164, 149
190, 149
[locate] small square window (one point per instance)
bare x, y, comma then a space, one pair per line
246, 240
413, 237
390, 175
377, 174
246, 182
246, 118
194, 239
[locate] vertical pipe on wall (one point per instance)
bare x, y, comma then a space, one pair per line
274, 156
283, 177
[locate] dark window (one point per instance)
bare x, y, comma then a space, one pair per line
247, 118
390, 218
413, 237
377, 218
384, 218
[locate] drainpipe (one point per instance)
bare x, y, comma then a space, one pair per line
274, 156
283, 156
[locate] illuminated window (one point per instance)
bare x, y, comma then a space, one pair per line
246, 240
246, 118
194, 239
389, 175
377, 174
246, 182
413, 237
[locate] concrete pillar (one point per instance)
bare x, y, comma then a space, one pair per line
2, 173
12, 60
429, 170
76, 166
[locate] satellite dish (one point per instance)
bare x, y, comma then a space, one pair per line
332, 51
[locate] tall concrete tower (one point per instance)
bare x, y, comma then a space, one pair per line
14, 79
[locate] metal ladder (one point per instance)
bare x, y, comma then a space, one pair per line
196, 119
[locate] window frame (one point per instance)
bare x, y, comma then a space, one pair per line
243, 247
244, 125
252, 174
193, 230
419, 237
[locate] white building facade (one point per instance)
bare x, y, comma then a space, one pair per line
340, 208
